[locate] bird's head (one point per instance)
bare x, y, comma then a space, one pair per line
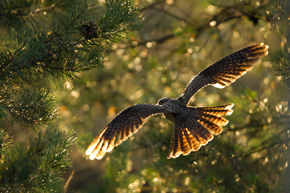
164, 100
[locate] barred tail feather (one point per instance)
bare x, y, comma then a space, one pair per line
188, 139
212, 117
198, 129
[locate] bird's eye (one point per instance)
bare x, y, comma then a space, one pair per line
160, 102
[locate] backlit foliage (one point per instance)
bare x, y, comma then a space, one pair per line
177, 40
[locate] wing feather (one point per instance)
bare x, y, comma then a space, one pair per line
225, 71
121, 127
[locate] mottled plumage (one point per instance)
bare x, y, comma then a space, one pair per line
194, 126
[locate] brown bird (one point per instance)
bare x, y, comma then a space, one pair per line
194, 126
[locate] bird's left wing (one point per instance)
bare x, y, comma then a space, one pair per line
225, 71
121, 127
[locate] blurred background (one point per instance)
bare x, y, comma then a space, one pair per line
175, 40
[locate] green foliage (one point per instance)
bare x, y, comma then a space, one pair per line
120, 17
5, 141
39, 166
29, 107
281, 59
12, 13
44, 42
62, 47
175, 42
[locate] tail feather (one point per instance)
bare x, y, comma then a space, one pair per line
198, 129
203, 134
176, 142
223, 110
183, 143
187, 138
211, 127
220, 121
212, 117
192, 140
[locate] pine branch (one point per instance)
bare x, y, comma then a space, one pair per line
44, 47
281, 59
120, 17
38, 167
29, 107
5, 141
63, 51
13, 11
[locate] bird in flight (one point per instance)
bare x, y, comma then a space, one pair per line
193, 126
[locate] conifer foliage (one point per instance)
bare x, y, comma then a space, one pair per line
179, 39
44, 42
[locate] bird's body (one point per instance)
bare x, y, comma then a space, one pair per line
176, 108
193, 126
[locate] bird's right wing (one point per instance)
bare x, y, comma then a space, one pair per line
225, 71
121, 127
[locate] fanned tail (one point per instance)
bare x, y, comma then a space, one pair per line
212, 117
198, 129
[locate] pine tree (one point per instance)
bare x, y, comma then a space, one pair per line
44, 43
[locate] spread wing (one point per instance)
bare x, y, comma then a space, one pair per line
121, 127
225, 71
